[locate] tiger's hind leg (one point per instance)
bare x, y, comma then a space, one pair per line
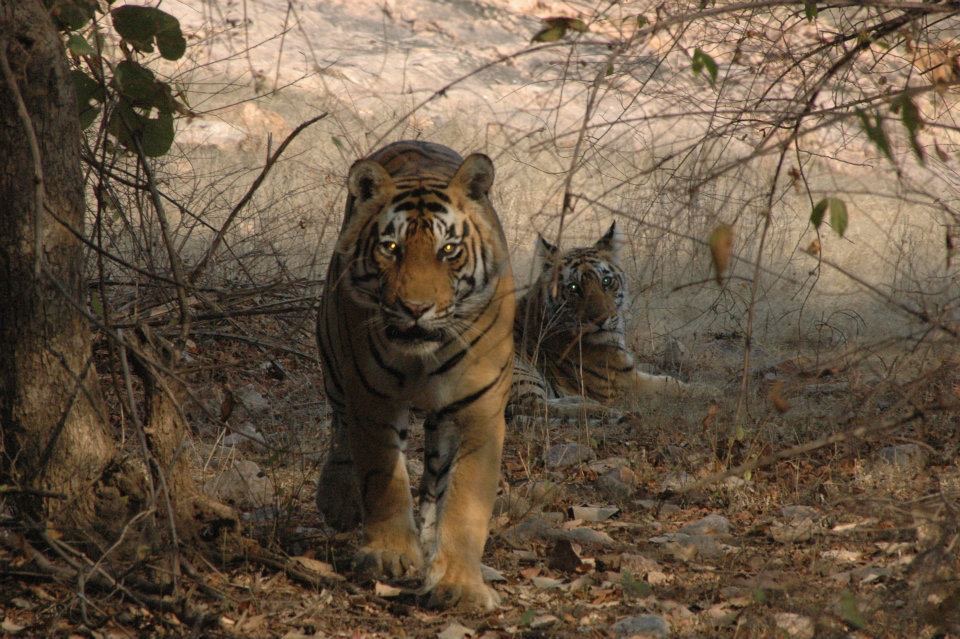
457, 494
338, 495
378, 437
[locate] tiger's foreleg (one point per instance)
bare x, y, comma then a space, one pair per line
377, 437
338, 495
459, 488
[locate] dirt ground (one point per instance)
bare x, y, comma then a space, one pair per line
601, 527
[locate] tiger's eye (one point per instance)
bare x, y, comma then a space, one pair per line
390, 247
448, 249
607, 281
573, 287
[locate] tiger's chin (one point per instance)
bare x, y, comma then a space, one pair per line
414, 338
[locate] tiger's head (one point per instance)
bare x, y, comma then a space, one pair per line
424, 251
584, 290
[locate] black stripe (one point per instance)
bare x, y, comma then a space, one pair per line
363, 380
454, 359
378, 358
464, 402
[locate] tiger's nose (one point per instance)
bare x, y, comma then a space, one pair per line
414, 309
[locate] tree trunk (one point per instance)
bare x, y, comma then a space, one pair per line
54, 429
55, 435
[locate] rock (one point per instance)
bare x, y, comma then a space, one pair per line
618, 484
251, 399
245, 433
568, 454
546, 583
604, 465
677, 481
904, 456
543, 621
644, 626
686, 547
638, 565
710, 525
794, 626
541, 493
491, 574
593, 513
512, 505
793, 531
790, 513
587, 536
455, 631
242, 485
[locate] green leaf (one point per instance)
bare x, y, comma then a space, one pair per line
157, 135
72, 15
703, 60
838, 215
816, 216
89, 92
79, 45
141, 26
549, 34
873, 127
642, 21
912, 122
850, 612
135, 81
527, 617
573, 24
810, 9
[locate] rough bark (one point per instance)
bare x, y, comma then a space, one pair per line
55, 435
54, 432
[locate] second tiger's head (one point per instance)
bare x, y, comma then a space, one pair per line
422, 250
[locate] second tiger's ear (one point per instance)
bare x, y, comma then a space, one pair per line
544, 253
367, 179
612, 242
475, 176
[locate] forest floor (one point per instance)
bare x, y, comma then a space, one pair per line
602, 528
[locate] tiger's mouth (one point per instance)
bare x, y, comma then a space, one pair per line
413, 334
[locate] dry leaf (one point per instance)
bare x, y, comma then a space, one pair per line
721, 248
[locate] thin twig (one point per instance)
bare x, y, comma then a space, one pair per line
215, 244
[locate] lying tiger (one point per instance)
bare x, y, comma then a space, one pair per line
571, 336
417, 313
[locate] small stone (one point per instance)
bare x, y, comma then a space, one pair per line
903, 456
638, 565
687, 547
245, 433
491, 574
568, 454
543, 621
593, 513
546, 583
455, 631
795, 626
643, 626
790, 513
618, 484
588, 536
251, 399
793, 531
243, 484
710, 525
677, 481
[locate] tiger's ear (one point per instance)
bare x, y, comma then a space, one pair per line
612, 242
367, 179
544, 253
475, 176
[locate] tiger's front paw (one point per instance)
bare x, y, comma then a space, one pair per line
338, 498
466, 595
372, 562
